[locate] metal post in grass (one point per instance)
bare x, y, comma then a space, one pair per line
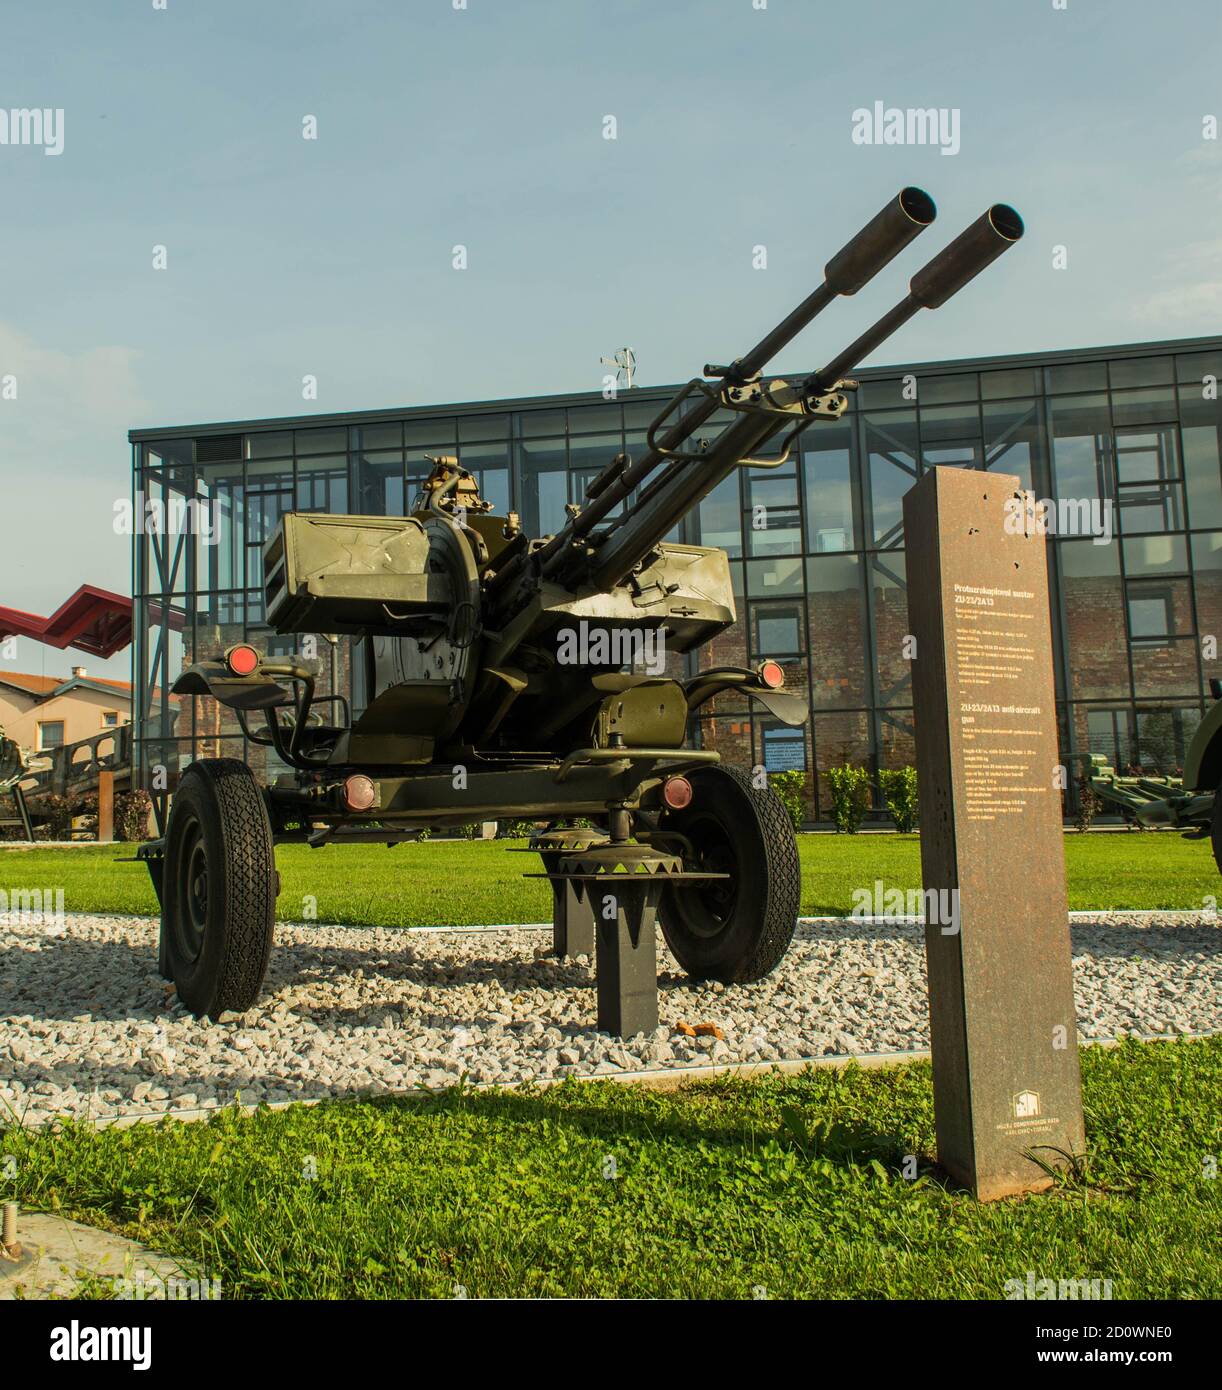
1007, 1093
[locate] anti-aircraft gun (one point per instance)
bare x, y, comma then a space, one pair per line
518, 676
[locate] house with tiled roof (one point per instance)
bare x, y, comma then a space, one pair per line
44, 712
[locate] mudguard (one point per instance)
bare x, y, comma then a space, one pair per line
253, 692
789, 709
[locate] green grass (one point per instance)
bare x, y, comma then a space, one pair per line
787, 1184
464, 883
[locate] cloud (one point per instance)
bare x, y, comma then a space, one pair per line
1188, 286
73, 405
1201, 168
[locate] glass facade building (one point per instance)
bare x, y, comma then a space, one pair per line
1126, 439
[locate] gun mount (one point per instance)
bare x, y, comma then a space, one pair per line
534, 677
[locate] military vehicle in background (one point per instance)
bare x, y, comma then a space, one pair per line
1190, 802
501, 668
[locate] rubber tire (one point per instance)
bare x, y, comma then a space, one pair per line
219, 811
756, 844
1215, 829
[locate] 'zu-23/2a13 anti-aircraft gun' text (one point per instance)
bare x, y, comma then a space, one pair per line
467, 626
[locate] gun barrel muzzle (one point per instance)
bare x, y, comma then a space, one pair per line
992, 233
953, 267
880, 240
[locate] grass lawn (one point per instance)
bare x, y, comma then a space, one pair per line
465, 883
786, 1184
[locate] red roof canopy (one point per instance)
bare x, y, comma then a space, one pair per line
93, 620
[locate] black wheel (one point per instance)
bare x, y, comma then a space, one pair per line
734, 929
219, 888
1215, 829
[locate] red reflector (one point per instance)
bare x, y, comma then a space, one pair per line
677, 793
359, 792
242, 660
772, 674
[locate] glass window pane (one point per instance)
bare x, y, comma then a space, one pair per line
1155, 403
388, 436
774, 523
891, 450
721, 516
1093, 603
1146, 455
879, 395
474, 428
1081, 448
1076, 376
776, 629
534, 423
889, 582
1163, 669
379, 482
1151, 507
782, 575
1014, 439
826, 461
942, 390
322, 483
949, 425
269, 445
837, 631
842, 737
587, 419
1107, 733
595, 451
328, 441
1163, 736
432, 434
1140, 371
1202, 426
1015, 381
1156, 555
1192, 368
543, 465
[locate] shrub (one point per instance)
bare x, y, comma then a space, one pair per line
789, 786
1088, 803
55, 814
850, 788
516, 829
132, 814
898, 786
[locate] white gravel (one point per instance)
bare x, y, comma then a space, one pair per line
88, 1028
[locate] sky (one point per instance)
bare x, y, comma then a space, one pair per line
484, 126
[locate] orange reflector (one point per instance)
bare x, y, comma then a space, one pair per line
359, 792
242, 660
772, 674
677, 793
